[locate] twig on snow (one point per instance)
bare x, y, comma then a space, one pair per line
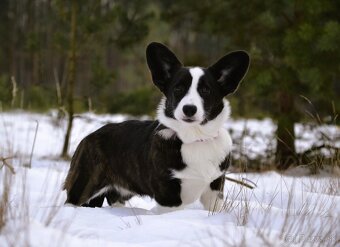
5, 163
242, 182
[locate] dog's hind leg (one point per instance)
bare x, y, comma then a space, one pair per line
86, 191
78, 176
95, 202
86, 180
114, 197
75, 190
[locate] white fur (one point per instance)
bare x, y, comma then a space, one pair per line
212, 200
202, 160
100, 192
204, 148
192, 98
189, 133
166, 133
121, 190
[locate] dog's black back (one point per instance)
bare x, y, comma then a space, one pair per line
127, 155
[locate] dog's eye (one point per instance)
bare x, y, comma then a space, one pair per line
179, 89
205, 90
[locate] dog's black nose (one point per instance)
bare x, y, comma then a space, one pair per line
189, 110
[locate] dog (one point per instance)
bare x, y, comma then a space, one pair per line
177, 159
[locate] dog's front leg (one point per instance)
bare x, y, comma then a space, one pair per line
168, 196
212, 198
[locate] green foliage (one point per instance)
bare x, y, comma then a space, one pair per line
101, 75
329, 39
5, 90
293, 45
132, 22
32, 41
39, 98
138, 102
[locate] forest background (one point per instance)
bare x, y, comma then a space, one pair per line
79, 56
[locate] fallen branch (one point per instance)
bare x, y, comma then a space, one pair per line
5, 163
241, 182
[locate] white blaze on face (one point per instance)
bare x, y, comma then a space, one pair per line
192, 97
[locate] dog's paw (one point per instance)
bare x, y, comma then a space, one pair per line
118, 205
67, 204
213, 201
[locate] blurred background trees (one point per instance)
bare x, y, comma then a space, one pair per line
35, 43
294, 46
93, 24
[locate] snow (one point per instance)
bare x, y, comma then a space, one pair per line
18, 131
283, 210
251, 137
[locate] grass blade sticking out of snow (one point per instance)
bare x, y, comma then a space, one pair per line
15, 212
4, 198
33, 144
26, 210
51, 197
301, 216
5, 163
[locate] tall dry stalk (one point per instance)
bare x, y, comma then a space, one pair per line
14, 90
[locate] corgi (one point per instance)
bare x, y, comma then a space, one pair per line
177, 159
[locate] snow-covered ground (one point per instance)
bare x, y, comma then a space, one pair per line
251, 137
283, 210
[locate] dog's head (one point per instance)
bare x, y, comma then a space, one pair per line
194, 95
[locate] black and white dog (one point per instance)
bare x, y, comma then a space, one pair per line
177, 159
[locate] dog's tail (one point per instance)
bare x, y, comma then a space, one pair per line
75, 166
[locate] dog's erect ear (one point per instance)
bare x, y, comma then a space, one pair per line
229, 70
162, 63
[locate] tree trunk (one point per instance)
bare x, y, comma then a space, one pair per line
71, 77
5, 37
285, 149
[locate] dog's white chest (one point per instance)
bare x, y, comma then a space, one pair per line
203, 160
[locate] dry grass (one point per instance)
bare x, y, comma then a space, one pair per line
17, 213
4, 199
309, 223
305, 224
323, 152
306, 214
15, 203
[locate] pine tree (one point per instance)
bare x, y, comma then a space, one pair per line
294, 48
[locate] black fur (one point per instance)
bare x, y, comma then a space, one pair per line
162, 63
174, 80
131, 158
110, 155
236, 64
